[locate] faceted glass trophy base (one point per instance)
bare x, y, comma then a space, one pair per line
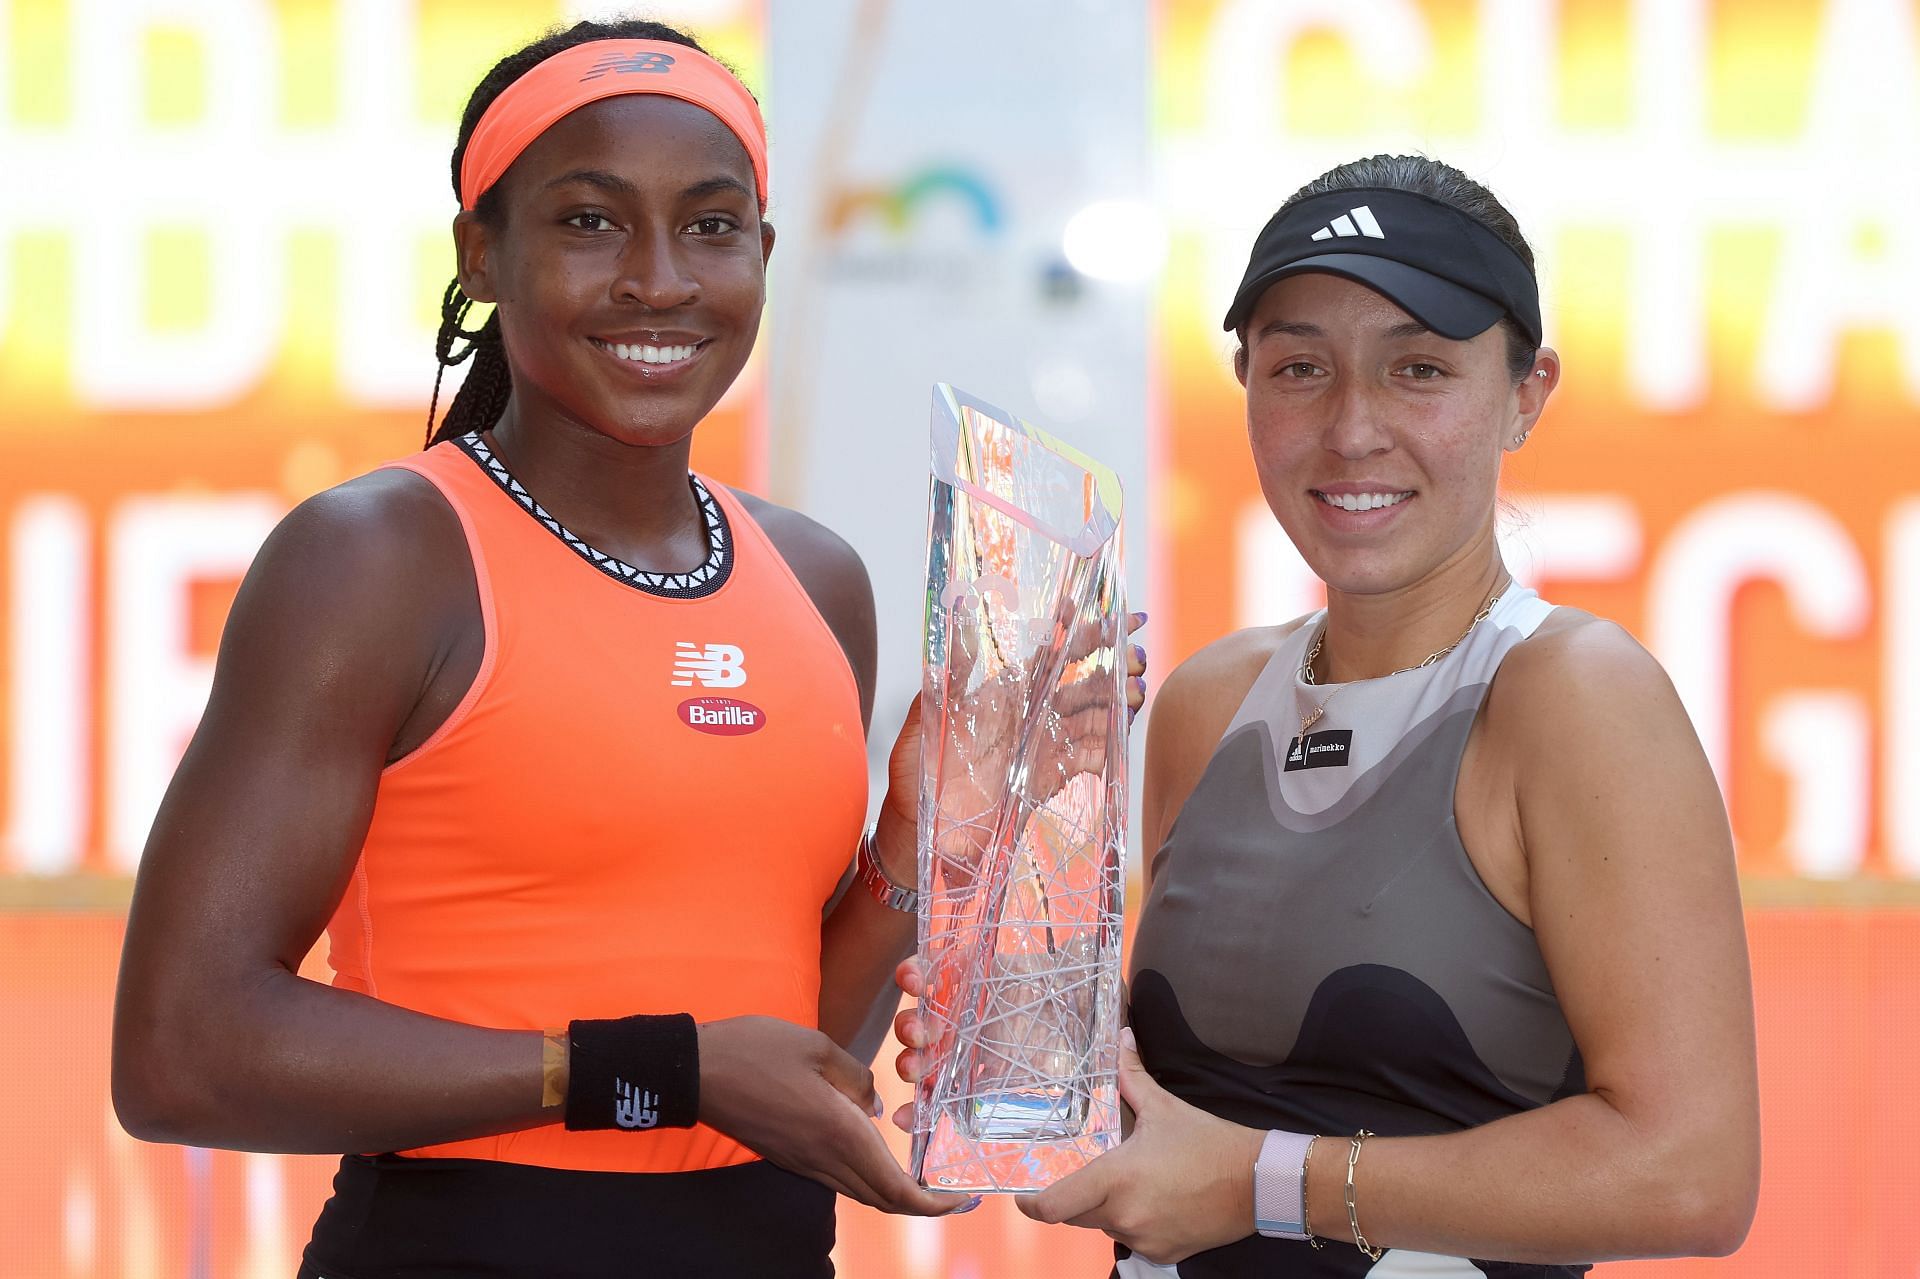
1022, 805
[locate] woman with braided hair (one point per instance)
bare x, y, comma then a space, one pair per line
562, 745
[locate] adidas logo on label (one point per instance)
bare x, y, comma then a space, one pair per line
1329, 749
714, 665
1345, 225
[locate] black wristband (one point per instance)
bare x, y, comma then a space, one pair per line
633, 1072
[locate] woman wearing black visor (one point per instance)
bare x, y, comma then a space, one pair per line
1442, 969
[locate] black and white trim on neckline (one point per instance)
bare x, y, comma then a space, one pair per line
705, 580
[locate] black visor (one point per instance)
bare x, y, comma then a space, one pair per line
1442, 267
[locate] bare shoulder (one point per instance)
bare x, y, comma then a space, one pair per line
1576, 683
392, 514
811, 549
1214, 680
1575, 653
375, 567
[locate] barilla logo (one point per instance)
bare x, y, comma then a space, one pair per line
722, 716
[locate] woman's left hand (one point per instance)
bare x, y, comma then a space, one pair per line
903, 762
1136, 668
1181, 1183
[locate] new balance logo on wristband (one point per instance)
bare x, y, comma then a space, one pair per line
1356, 221
634, 1107
663, 1049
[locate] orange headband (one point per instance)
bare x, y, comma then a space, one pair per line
600, 69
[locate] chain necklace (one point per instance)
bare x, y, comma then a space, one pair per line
1308, 720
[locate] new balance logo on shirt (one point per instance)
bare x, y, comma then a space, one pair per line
713, 665
1357, 221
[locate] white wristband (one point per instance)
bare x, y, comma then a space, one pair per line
1280, 1186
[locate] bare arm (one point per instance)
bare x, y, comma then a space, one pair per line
1634, 899
1635, 902
860, 940
217, 1039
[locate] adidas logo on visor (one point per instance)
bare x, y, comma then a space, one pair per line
1357, 221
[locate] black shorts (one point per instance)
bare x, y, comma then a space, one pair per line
392, 1217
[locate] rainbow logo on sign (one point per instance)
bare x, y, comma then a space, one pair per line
898, 206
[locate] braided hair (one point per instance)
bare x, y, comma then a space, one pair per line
483, 396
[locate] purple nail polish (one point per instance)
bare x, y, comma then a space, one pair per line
972, 1203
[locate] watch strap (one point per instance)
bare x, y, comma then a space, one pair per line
1280, 1187
873, 877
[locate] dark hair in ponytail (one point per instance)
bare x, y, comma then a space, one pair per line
483, 396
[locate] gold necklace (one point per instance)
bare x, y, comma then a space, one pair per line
1308, 720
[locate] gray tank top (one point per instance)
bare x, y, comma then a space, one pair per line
1318, 953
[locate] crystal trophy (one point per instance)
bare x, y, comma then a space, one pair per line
1023, 805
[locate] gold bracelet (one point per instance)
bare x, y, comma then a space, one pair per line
1306, 1209
553, 1069
1353, 1214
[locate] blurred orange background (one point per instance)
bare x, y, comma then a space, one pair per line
1721, 195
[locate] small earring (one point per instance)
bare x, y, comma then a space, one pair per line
1539, 372
1521, 438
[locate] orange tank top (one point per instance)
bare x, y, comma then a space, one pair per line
641, 806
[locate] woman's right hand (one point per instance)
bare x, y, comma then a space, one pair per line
797, 1099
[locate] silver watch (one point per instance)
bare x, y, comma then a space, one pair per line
873, 876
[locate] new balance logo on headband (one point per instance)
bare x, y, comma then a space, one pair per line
1344, 225
628, 64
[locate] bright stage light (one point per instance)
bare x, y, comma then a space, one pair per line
1123, 241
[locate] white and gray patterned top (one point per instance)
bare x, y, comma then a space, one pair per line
1318, 953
